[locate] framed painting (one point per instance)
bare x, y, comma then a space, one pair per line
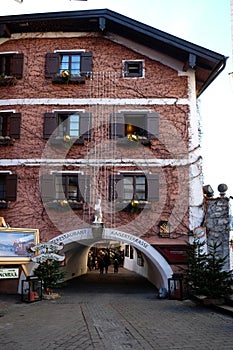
15, 244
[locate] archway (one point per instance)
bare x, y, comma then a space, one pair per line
77, 243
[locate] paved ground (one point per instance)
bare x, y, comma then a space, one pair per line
111, 312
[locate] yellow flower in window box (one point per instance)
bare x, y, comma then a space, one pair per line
67, 138
65, 74
64, 203
134, 203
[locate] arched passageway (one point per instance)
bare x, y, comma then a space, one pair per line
78, 242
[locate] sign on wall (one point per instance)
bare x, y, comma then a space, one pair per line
9, 273
15, 244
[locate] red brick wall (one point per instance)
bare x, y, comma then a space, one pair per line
160, 82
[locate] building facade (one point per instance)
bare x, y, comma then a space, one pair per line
99, 135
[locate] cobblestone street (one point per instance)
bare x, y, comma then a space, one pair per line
112, 311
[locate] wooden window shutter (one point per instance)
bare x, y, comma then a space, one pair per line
47, 187
86, 63
116, 188
152, 187
117, 125
16, 68
52, 64
11, 187
84, 188
85, 125
50, 124
15, 122
152, 125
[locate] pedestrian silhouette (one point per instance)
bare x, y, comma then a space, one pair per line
106, 262
101, 265
116, 265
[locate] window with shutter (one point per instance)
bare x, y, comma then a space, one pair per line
65, 189
136, 190
68, 67
134, 126
66, 126
9, 128
11, 65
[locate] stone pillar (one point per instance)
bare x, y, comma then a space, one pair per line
218, 225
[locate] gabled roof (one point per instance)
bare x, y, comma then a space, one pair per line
207, 64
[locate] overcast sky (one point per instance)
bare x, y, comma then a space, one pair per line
203, 22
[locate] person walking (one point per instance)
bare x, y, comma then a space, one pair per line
116, 266
101, 265
106, 262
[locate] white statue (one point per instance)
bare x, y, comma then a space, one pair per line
98, 213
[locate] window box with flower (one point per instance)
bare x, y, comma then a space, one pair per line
64, 205
6, 141
7, 80
67, 78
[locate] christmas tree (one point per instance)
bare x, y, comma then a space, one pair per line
205, 274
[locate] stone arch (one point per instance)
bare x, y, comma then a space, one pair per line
91, 235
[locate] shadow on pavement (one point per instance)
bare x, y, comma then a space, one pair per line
123, 282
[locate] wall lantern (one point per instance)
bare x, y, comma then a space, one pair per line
208, 191
164, 228
222, 188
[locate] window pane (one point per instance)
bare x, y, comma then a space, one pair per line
140, 191
74, 125
64, 63
128, 187
135, 125
73, 187
59, 183
62, 125
75, 64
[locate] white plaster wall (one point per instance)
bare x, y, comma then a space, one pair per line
148, 270
195, 170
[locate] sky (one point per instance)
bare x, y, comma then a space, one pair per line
203, 22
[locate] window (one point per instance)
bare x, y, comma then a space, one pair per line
9, 127
127, 250
72, 63
131, 252
11, 64
134, 124
68, 124
140, 260
65, 188
77, 64
133, 69
75, 124
8, 189
66, 185
136, 189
